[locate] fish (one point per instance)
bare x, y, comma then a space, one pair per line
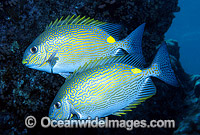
110, 86
74, 41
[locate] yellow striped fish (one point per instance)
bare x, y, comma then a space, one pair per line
67, 44
110, 86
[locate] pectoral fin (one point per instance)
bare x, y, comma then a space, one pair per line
65, 75
120, 52
52, 60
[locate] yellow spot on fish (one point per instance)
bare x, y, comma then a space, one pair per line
111, 40
136, 70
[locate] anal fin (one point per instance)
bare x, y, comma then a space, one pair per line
65, 75
148, 90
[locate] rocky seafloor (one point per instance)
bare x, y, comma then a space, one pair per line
25, 91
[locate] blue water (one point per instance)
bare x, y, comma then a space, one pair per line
186, 30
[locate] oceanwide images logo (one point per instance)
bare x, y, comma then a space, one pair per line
46, 122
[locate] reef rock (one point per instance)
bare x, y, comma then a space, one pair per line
190, 123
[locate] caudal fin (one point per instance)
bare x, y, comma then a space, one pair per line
161, 67
133, 42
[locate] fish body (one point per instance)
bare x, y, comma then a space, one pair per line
76, 41
102, 88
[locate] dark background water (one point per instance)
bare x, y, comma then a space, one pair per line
186, 30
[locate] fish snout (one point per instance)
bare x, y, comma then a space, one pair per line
24, 62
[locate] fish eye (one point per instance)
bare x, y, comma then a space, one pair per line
57, 105
33, 49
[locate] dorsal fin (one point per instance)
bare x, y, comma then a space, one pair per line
72, 20
112, 29
125, 59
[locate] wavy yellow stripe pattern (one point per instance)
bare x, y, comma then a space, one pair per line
76, 43
100, 88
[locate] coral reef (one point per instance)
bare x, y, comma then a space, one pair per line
25, 92
191, 121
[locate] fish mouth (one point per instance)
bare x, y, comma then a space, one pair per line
24, 62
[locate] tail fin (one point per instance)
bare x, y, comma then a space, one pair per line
161, 67
133, 42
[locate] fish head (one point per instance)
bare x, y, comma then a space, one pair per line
35, 55
60, 110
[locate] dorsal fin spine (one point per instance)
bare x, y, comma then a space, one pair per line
60, 19
54, 22
80, 20
65, 20
75, 20
89, 21
70, 19
83, 22
93, 22
102, 61
50, 24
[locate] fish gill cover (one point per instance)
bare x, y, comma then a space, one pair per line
25, 92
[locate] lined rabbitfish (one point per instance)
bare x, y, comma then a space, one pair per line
110, 86
67, 44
